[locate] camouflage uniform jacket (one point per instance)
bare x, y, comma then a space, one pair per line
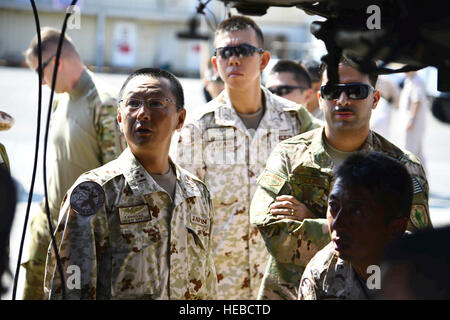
217, 147
301, 167
328, 277
117, 243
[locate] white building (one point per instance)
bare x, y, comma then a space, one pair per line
114, 35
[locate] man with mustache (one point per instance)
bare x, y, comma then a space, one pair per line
138, 227
290, 203
226, 145
368, 207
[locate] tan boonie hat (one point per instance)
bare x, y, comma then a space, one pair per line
6, 121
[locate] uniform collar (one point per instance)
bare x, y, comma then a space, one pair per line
82, 87
142, 183
319, 154
274, 114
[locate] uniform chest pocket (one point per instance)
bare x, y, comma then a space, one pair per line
312, 189
219, 152
140, 246
139, 227
197, 242
220, 146
198, 232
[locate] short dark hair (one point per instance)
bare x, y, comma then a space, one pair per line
301, 76
175, 85
313, 68
386, 178
236, 23
349, 61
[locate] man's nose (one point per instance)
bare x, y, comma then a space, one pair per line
234, 60
339, 219
343, 99
143, 113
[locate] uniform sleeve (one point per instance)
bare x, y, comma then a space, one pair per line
110, 139
211, 279
420, 211
308, 287
189, 150
81, 241
288, 241
308, 122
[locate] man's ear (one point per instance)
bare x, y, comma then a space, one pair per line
265, 58
60, 63
308, 94
214, 63
119, 119
181, 118
319, 96
376, 98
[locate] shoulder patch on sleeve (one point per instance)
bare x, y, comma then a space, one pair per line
417, 188
87, 198
271, 181
419, 216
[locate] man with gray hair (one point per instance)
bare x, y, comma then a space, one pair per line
84, 135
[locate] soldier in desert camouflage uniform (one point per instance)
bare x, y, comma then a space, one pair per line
84, 135
290, 202
369, 206
226, 144
139, 227
6, 122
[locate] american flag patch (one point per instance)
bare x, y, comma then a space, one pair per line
417, 188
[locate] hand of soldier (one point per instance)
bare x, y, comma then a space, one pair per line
288, 207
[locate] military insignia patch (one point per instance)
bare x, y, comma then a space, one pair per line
271, 181
199, 220
87, 198
419, 216
417, 188
134, 214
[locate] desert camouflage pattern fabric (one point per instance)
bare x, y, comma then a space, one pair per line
4, 161
216, 146
139, 244
327, 277
301, 167
84, 135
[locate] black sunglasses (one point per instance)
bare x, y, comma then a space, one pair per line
242, 50
284, 90
45, 64
355, 91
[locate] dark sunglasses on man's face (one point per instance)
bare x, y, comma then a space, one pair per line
284, 90
45, 64
355, 91
242, 50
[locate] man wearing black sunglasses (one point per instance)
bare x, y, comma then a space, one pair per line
84, 133
227, 143
290, 203
291, 81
